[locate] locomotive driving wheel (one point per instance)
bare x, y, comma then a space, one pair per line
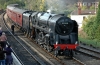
49, 48
36, 36
44, 44
47, 44
56, 53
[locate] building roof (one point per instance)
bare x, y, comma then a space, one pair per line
84, 12
88, 0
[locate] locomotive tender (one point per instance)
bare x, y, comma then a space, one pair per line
55, 32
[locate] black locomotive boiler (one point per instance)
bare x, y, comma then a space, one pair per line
55, 32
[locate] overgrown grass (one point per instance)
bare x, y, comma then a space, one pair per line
94, 43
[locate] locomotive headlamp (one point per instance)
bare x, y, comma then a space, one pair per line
76, 42
56, 42
64, 31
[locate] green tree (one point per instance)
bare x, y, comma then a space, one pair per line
84, 7
92, 7
88, 26
4, 3
98, 14
35, 5
97, 23
92, 26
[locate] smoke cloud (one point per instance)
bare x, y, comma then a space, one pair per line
59, 6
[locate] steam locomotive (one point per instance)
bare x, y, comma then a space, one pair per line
55, 32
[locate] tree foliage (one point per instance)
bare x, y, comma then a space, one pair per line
91, 25
88, 26
4, 3
36, 5
97, 23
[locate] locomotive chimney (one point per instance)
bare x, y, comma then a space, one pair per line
79, 10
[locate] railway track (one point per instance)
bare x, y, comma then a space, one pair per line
23, 53
90, 56
89, 51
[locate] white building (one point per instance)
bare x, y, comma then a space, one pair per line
79, 15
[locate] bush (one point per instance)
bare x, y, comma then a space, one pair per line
94, 43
